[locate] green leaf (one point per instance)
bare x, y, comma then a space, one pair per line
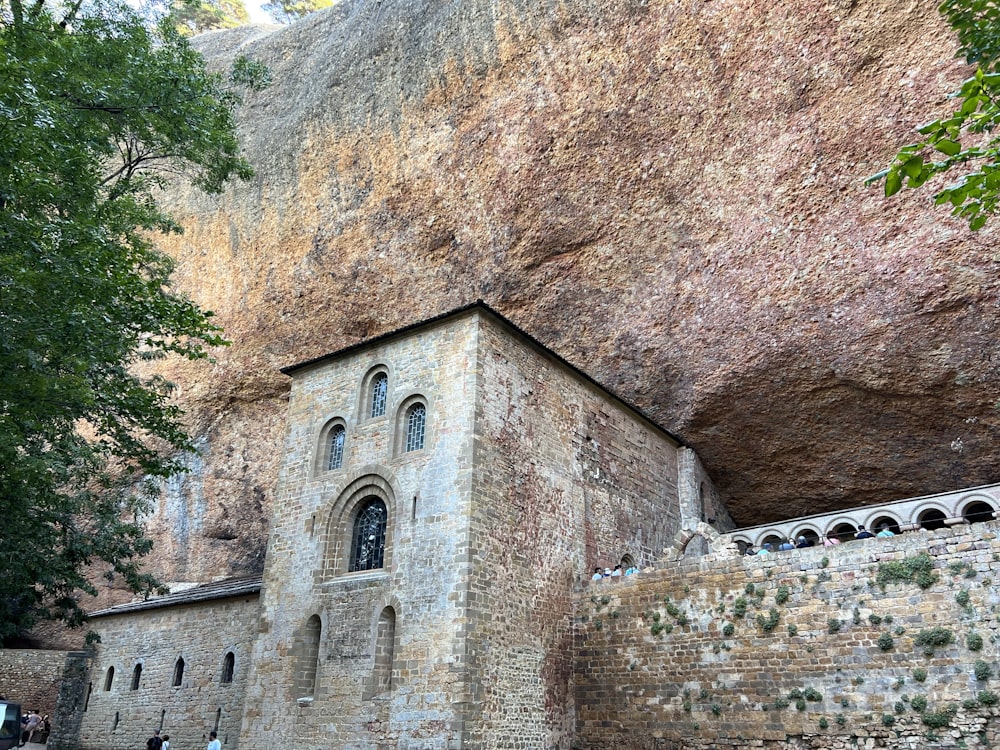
948, 147
913, 165
893, 183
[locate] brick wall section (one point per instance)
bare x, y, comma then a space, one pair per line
565, 479
694, 686
201, 634
32, 677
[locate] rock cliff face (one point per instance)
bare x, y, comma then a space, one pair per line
669, 194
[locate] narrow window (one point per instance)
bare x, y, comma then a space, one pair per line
416, 418
368, 543
117, 719
385, 637
86, 701
336, 459
163, 718
178, 672
136, 674
108, 679
308, 658
228, 667
380, 387
218, 718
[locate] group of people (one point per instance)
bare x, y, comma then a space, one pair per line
600, 572
156, 742
829, 540
34, 728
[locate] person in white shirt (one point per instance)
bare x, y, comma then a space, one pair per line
214, 744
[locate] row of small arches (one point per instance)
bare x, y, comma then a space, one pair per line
225, 677
929, 518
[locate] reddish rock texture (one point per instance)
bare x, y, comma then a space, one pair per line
668, 194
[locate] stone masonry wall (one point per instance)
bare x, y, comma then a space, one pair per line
827, 647
32, 677
201, 634
426, 560
566, 479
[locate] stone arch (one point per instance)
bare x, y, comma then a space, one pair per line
305, 657
771, 536
703, 537
385, 650
366, 393
412, 400
810, 533
977, 508
842, 527
876, 520
931, 517
339, 527
228, 670
327, 455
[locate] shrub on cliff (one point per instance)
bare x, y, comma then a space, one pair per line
98, 110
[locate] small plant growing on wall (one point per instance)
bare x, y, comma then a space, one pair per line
769, 623
939, 719
841, 720
728, 629
974, 642
885, 642
918, 569
793, 629
833, 625
874, 619
823, 723
919, 674
982, 670
825, 562
988, 697
933, 638
919, 703
813, 695
781, 595
888, 720
740, 607
962, 598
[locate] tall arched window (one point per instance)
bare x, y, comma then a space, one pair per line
336, 447
136, 675
228, 668
368, 539
416, 420
308, 658
108, 679
178, 672
380, 389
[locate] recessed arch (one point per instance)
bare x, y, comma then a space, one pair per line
228, 668
343, 519
977, 511
374, 402
109, 678
383, 651
178, 672
932, 518
412, 425
306, 652
844, 531
877, 522
331, 447
809, 533
136, 676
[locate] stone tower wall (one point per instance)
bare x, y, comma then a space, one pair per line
201, 635
566, 479
665, 659
426, 492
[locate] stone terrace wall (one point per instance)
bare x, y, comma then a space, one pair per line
32, 677
716, 653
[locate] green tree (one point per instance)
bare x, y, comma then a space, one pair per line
963, 142
98, 111
196, 16
286, 11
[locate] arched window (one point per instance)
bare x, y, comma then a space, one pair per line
108, 679
932, 519
385, 643
178, 672
416, 419
844, 531
380, 389
336, 447
978, 511
368, 539
136, 674
308, 658
228, 668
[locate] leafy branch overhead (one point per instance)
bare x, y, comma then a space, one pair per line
963, 142
98, 111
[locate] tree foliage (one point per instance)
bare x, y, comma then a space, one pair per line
963, 142
287, 11
98, 110
196, 16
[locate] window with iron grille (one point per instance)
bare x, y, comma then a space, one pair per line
380, 387
416, 419
368, 543
336, 459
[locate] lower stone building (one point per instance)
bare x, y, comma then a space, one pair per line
445, 491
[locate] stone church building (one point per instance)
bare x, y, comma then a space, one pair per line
446, 490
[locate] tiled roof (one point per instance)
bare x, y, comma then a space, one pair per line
205, 592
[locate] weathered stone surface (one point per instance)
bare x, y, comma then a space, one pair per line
668, 194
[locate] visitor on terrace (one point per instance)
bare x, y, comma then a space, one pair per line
598, 574
863, 533
830, 539
803, 542
884, 531
786, 545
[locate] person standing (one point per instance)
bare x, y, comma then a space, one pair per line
214, 744
154, 742
166, 742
